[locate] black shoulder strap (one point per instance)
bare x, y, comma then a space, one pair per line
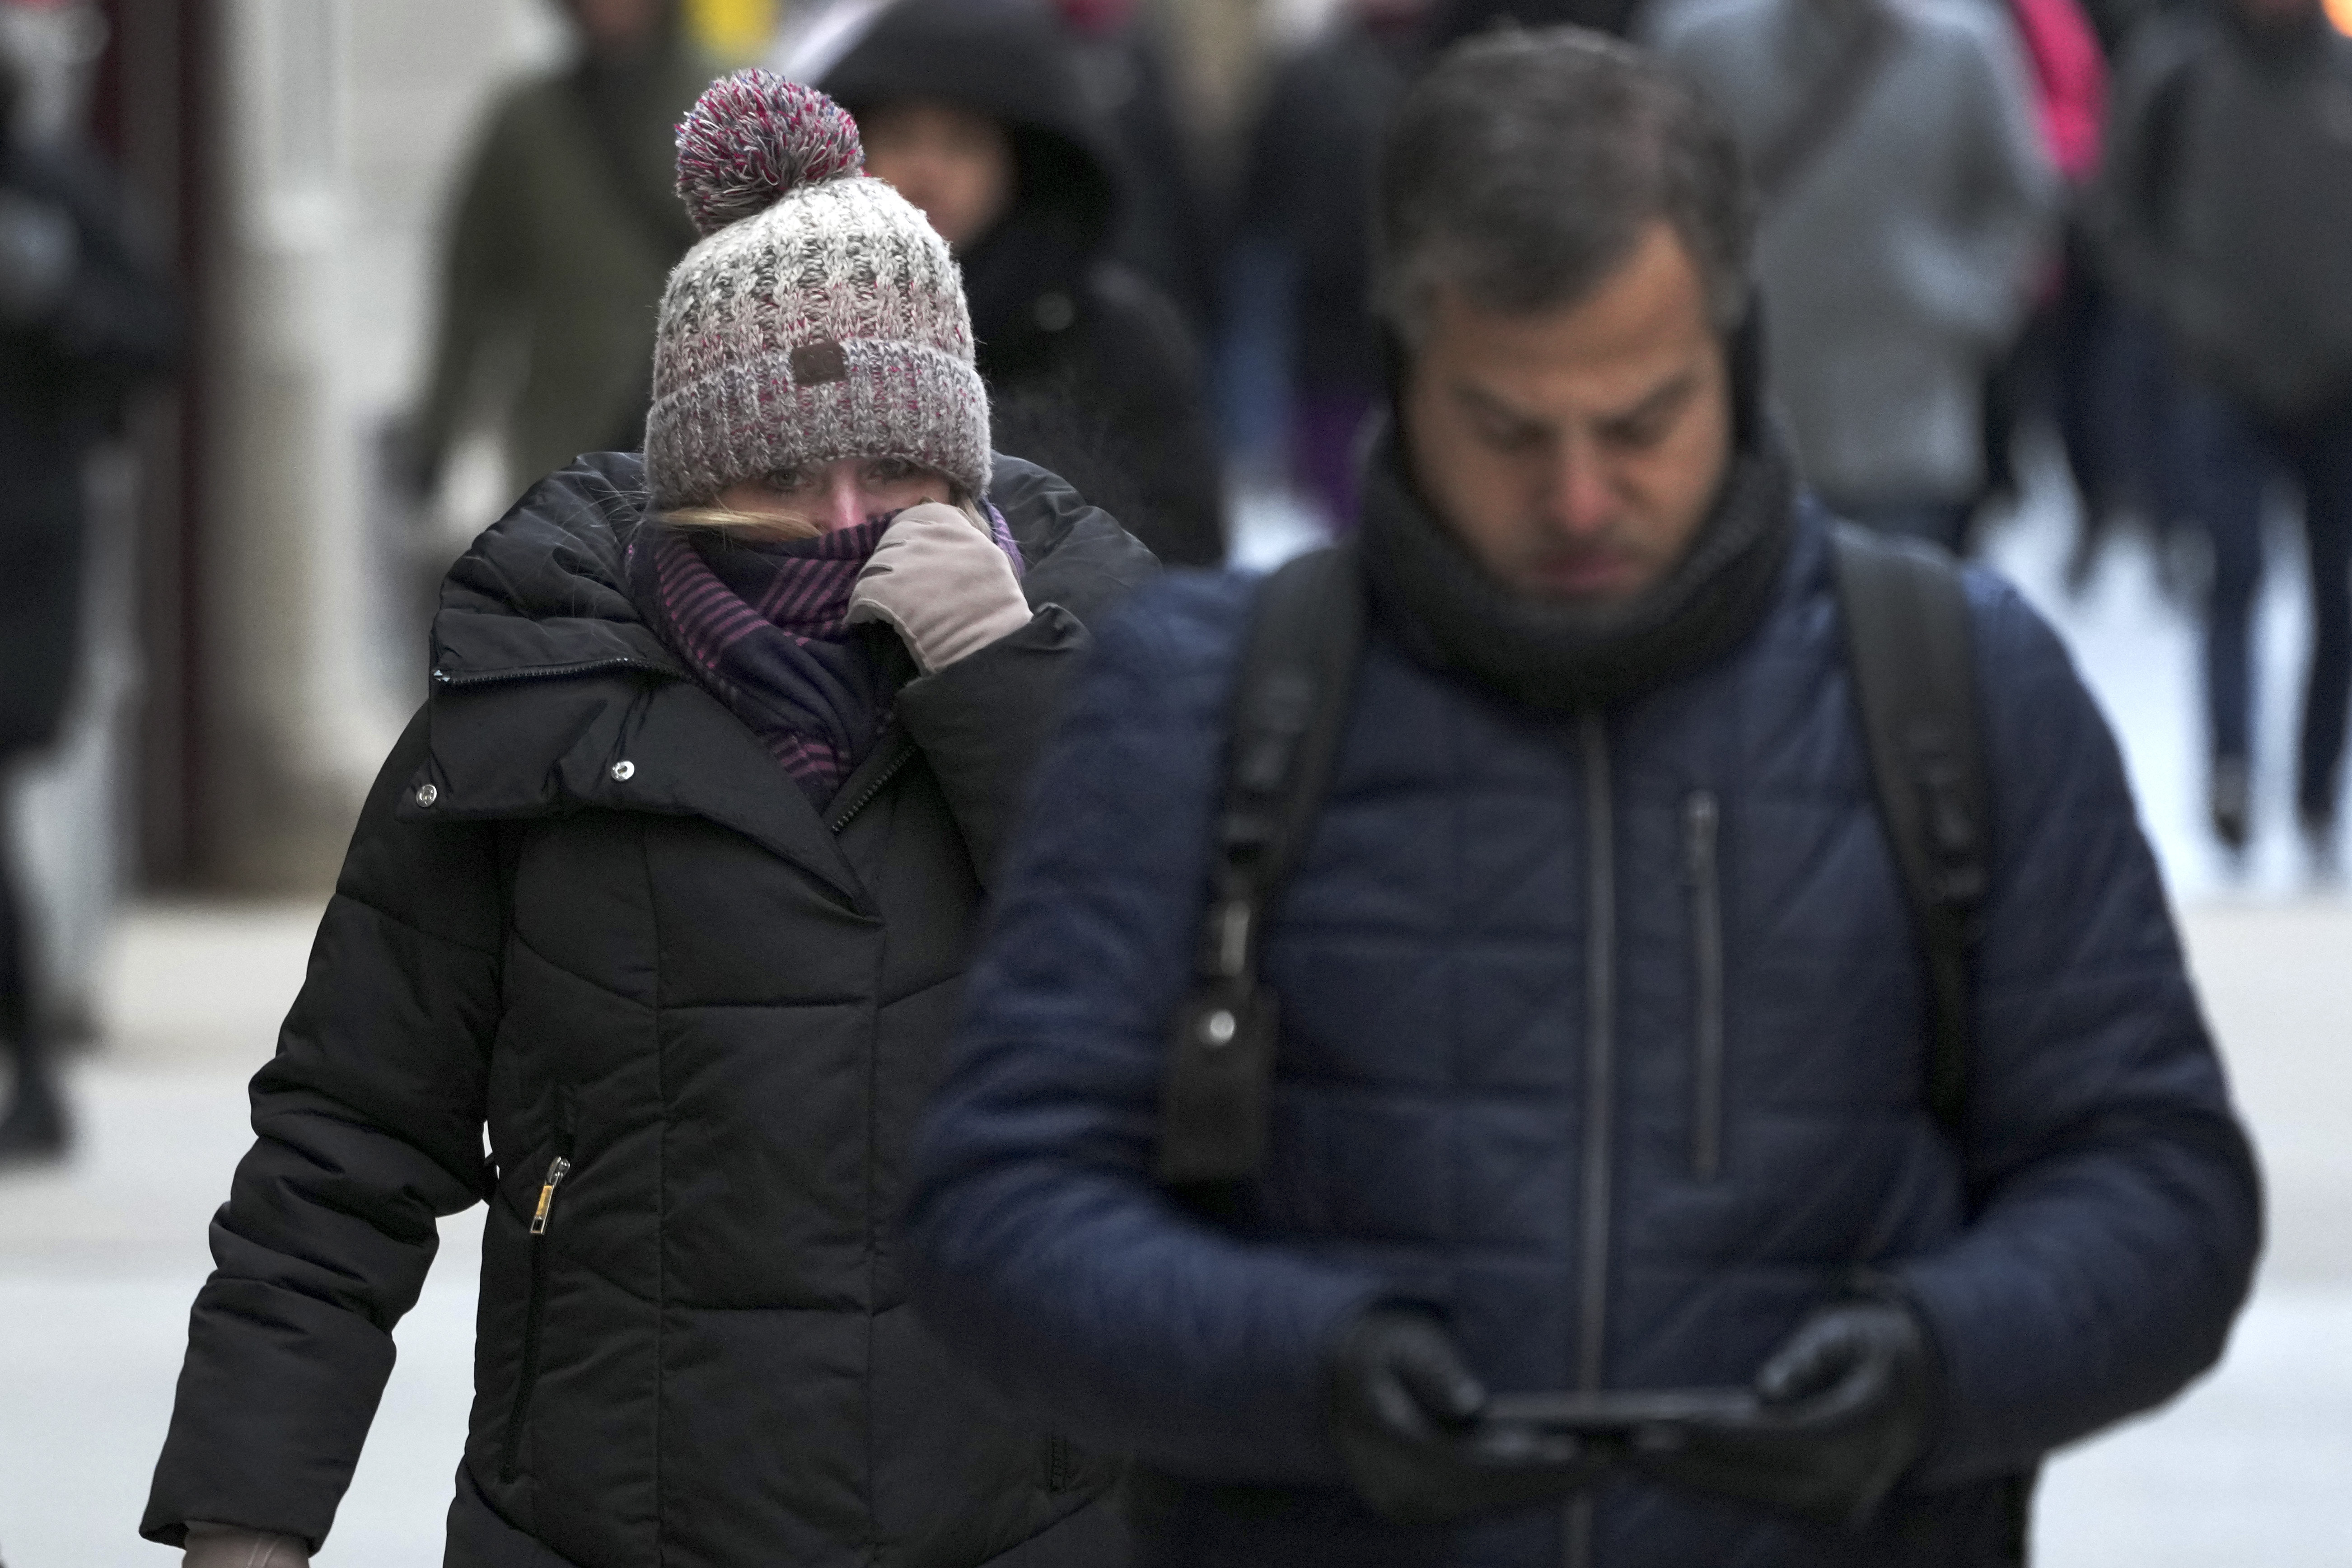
1783, 163
1289, 703
1908, 639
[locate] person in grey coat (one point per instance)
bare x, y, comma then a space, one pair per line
1903, 234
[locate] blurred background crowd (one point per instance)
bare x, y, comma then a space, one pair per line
373, 267
368, 268
295, 295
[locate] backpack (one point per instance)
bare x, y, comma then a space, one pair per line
1908, 647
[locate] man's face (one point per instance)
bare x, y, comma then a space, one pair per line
1576, 451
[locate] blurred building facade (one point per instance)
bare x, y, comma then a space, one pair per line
293, 154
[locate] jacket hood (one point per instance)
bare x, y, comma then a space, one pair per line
1008, 61
545, 590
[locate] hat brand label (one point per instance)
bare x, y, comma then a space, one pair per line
813, 365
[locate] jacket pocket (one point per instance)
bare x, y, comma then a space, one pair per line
1702, 830
534, 1312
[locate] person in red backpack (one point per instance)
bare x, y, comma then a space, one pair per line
2051, 371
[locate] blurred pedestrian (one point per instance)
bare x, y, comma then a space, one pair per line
1167, 230
84, 316
1306, 212
1478, 958
975, 110
670, 883
1906, 202
2048, 376
2091, 362
562, 228
2229, 206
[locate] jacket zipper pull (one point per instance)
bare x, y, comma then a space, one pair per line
556, 1172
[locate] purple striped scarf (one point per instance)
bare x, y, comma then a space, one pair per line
763, 628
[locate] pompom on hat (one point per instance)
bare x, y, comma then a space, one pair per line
819, 317
751, 138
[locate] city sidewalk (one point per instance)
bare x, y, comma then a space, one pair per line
99, 1262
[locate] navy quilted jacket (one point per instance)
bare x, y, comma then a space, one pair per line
1603, 1035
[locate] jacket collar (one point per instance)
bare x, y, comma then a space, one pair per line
551, 693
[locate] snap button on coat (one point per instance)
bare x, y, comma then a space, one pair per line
426, 794
624, 770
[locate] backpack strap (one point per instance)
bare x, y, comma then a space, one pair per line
1909, 646
1289, 704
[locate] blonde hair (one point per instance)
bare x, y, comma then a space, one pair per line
792, 530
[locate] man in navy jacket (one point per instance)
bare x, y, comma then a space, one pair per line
1602, 1056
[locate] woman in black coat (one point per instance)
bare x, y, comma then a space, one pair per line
671, 884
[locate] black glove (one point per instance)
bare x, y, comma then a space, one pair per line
1405, 1418
1846, 1404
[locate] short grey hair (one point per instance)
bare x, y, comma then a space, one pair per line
1523, 168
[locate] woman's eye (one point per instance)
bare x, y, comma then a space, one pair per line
890, 471
786, 481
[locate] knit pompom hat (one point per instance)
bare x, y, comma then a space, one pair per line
819, 317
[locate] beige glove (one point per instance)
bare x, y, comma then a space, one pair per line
228, 1546
941, 583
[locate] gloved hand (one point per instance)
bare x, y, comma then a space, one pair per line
1846, 1403
941, 583
1405, 1418
228, 1546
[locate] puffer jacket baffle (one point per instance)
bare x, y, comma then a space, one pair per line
585, 906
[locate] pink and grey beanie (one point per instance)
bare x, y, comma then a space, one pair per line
819, 317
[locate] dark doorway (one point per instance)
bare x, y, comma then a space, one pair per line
153, 111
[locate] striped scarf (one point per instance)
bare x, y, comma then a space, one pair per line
763, 628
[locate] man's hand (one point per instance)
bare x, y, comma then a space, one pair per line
1405, 1418
940, 582
1846, 1407
228, 1546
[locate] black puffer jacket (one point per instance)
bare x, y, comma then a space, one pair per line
1090, 369
585, 906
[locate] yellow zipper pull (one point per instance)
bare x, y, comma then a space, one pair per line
555, 1174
